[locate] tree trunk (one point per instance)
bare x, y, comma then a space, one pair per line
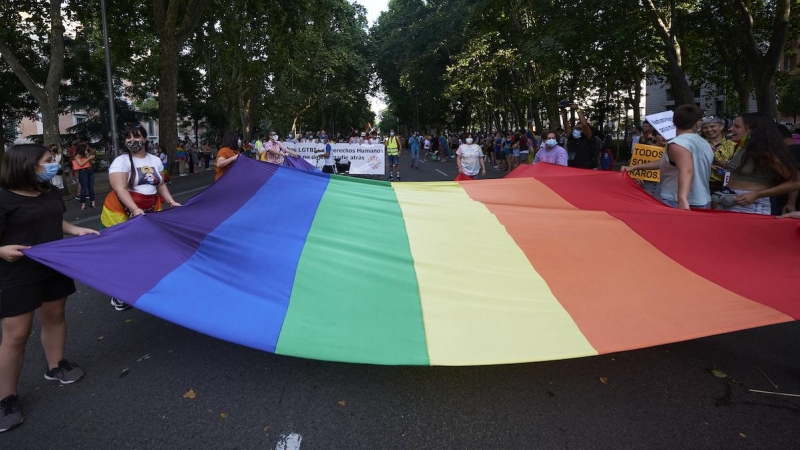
637, 100
681, 90
174, 22
244, 115
2, 135
766, 100
50, 131
168, 96
665, 27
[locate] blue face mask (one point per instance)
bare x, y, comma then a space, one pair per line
50, 170
550, 142
576, 134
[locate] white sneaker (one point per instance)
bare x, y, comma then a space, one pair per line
119, 306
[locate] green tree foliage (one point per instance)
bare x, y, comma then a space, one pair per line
507, 63
16, 103
32, 44
789, 100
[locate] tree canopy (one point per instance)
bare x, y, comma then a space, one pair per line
506, 63
257, 65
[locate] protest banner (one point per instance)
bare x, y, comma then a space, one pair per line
365, 159
662, 122
644, 154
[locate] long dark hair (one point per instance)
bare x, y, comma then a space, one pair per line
135, 131
230, 140
81, 150
765, 144
18, 171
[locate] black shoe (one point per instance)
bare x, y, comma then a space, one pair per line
65, 373
10, 413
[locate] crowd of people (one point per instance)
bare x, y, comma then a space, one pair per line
755, 169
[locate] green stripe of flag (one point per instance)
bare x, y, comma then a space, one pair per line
355, 296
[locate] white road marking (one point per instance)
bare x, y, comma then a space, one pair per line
442, 173
290, 442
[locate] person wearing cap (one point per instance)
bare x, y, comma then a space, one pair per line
723, 148
393, 147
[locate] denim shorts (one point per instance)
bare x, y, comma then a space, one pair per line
394, 160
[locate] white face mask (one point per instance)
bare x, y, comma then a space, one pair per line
469, 140
391, 133
272, 137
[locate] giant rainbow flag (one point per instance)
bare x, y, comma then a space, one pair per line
546, 264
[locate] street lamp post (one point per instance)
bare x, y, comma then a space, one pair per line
112, 113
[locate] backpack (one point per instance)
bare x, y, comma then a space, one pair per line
607, 159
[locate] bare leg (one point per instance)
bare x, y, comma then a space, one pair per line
12, 351
54, 331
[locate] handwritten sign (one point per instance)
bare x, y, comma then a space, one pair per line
644, 154
662, 122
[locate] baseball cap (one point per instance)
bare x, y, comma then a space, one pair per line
712, 119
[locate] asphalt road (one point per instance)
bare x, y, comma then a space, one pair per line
140, 369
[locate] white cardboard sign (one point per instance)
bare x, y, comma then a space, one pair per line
662, 122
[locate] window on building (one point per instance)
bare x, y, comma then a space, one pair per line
151, 128
697, 94
670, 95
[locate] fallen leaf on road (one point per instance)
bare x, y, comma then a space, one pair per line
100, 338
147, 356
603, 380
266, 429
341, 402
742, 435
124, 372
717, 373
128, 320
190, 394
222, 416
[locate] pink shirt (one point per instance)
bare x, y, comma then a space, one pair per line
272, 157
556, 155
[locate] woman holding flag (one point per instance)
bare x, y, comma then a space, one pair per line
137, 184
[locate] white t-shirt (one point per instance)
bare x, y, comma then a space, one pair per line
329, 161
471, 157
148, 172
58, 180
